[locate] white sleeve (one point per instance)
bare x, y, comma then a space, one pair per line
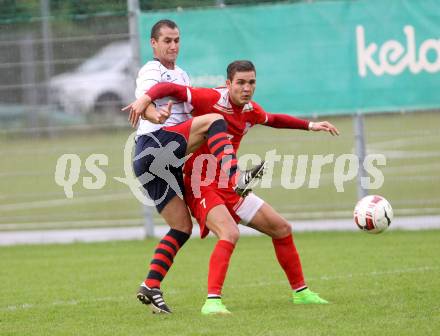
148, 76
187, 105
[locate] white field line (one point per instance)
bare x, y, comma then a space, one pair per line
64, 202
23, 205
25, 306
328, 179
397, 133
389, 154
72, 224
344, 213
134, 221
51, 172
397, 143
42, 194
341, 206
349, 276
413, 168
405, 154
109, 148
93, 215
112, 213
32, 151
99, 149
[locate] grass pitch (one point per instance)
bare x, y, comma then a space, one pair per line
378, 285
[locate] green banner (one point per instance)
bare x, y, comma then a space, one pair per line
317, 58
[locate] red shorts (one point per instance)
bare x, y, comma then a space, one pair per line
211, 196
184, 128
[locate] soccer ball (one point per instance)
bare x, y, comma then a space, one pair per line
373, 214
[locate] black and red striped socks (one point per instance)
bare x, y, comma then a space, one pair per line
221, 147
163, 257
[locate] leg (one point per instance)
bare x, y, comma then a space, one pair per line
199, 130
224, 227
172, 208
177, 216
221, 223
268, 221
211, 128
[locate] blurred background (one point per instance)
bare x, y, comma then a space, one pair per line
67, 67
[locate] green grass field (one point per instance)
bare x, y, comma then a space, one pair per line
378, 285
30, 198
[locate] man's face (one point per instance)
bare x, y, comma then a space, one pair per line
242, 87
166, 48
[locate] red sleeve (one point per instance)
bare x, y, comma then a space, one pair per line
286, 121
202, 99
161, 90
259, 115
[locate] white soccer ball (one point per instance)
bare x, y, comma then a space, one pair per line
373, 214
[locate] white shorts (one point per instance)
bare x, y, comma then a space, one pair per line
248, 208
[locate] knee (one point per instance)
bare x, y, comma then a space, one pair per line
229, 232
182, 221
206, 121
214, 117
282, 230
234, 235
184, 226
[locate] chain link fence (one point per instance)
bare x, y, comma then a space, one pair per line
68, 63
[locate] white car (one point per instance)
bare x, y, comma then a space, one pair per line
102, 84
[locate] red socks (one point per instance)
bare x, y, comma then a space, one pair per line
289, 260
218, 266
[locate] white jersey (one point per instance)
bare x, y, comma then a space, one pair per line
154, 72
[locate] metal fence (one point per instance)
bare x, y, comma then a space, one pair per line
57, 69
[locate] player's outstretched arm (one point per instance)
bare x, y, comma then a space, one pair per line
287, 121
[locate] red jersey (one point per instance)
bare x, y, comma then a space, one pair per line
239, 118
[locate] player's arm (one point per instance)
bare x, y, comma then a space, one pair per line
290, 122
142, 106
201, 98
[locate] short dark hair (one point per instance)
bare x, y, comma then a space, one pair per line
239, 66
159, 24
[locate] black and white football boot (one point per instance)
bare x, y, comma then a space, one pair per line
248, 178
153, 296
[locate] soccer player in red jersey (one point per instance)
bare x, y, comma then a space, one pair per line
211, 200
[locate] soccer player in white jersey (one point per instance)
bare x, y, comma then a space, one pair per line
161, 146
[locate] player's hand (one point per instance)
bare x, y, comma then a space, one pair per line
157, 116
324, 126
137, 108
